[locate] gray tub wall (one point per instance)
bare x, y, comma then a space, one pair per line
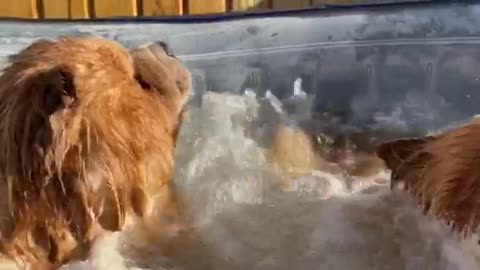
385, 67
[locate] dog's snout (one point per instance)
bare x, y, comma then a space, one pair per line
165, 47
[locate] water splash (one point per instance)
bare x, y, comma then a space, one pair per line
315, 222
297, 89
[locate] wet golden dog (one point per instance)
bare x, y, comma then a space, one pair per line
88, 131
295, 150
441, 172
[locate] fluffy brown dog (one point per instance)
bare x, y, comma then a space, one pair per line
442, 173
88, 131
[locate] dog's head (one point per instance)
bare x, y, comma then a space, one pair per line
88, 133
442, 172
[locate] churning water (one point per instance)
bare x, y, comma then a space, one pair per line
247, 221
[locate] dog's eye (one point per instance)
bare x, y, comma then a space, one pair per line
166, 49
170, 54
142, 83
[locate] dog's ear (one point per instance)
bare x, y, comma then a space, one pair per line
54, 89
40, 95
395, 152
403, 155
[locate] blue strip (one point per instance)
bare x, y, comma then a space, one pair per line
228, 16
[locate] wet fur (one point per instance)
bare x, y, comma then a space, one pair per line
87, 134
295, 150
442, 173
291, 149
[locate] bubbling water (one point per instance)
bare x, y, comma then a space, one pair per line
317, 221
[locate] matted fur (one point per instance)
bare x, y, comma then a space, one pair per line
87, 133
442, 172
296, 149
292, 149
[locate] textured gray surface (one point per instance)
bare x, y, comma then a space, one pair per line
367, 65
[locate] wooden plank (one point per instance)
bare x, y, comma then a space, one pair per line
249, 4
112, 8
206, 6
318, 2
291, 4
56, 8
18, 8
162, 7
78, 9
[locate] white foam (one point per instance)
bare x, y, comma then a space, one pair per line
277, 105
297, 89
316, 222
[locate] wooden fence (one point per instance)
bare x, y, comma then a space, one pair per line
109, 8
